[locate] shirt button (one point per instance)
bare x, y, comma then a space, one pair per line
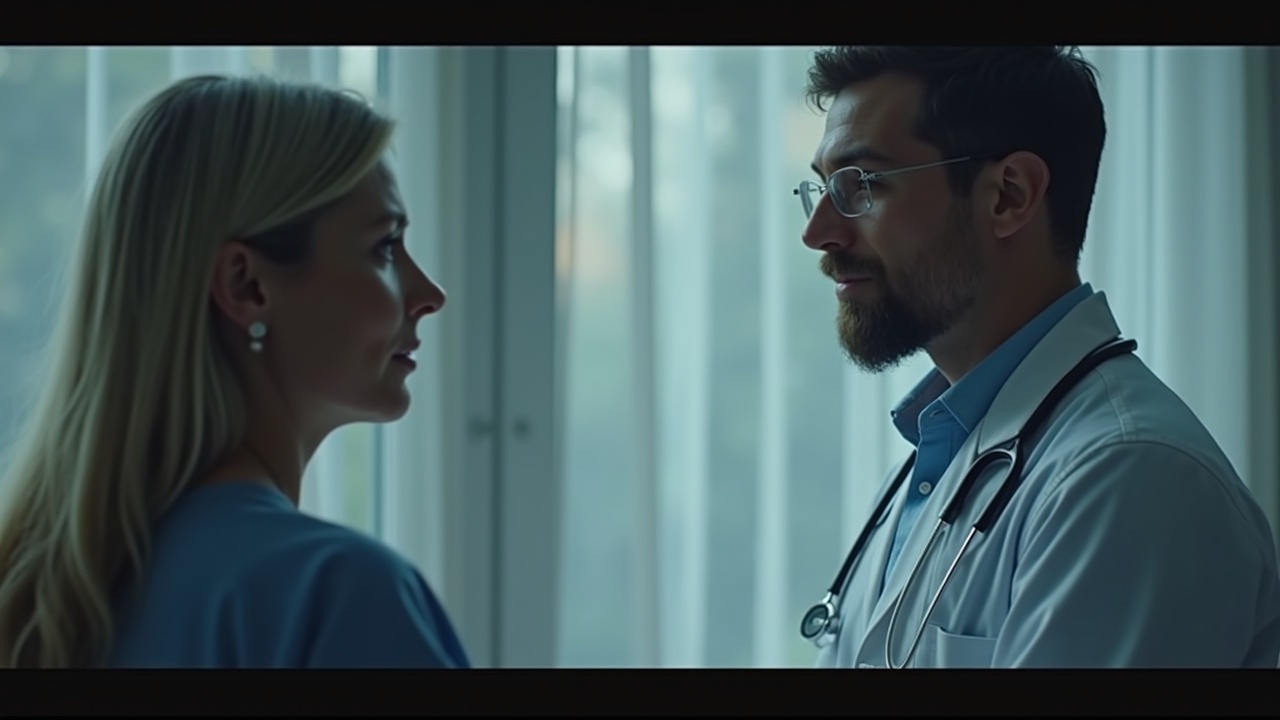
925, 488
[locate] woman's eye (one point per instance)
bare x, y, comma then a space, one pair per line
387, 245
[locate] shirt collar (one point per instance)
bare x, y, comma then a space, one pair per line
970, 397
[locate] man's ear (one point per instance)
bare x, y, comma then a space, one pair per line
1021, 181
237, 284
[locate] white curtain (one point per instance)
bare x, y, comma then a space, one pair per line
719, 453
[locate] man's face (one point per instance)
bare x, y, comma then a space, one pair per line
909, 269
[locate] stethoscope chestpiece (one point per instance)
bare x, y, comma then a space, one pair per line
820, 622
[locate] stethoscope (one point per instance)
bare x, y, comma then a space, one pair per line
821, 623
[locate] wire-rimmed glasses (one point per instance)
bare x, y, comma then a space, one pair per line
850, 188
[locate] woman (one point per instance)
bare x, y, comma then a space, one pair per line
241, 289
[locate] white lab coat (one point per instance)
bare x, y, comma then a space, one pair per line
1131, 543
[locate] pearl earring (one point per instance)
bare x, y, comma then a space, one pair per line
257, 330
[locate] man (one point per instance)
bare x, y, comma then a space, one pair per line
955, 186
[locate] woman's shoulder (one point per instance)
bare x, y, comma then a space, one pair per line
253, 536
339, 597
368, 606
237, 526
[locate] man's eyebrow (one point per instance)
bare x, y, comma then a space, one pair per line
853, 156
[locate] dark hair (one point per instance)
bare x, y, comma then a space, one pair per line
994, 101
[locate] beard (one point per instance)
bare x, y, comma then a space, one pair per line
916, 304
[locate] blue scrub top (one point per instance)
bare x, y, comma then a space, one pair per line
240, 578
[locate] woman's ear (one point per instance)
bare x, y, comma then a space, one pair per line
238, 284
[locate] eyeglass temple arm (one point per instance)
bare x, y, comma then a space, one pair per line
886, 173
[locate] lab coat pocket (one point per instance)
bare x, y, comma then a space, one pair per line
960, 651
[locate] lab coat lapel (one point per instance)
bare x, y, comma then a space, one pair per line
1087, 326
878, 546
873, 641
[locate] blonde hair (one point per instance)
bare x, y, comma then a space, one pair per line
142, 396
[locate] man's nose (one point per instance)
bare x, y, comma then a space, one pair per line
826, 229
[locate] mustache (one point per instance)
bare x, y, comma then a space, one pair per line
833, 265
